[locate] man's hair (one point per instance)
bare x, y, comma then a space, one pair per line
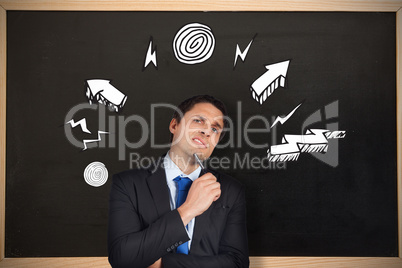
189, 103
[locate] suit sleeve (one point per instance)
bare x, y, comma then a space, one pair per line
132, 245
233, 247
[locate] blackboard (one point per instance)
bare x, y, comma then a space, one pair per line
340, 64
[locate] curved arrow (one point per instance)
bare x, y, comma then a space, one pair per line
100, 90
274, 77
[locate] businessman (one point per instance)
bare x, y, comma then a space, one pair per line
176, 214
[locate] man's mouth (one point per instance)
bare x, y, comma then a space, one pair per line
200, 142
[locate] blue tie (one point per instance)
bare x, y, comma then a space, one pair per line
184, 185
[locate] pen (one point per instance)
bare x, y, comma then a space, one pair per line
200, 163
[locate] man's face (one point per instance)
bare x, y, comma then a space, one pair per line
198, 131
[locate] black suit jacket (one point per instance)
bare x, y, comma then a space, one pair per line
143, 228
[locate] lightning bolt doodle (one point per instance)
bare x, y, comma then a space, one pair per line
243, 54
82, 123
282, 120
314, 141
151, 55
93, 140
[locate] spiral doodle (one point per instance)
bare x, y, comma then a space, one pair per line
96, 174
194, 43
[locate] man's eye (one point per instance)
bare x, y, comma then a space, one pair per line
197, 120
214, 130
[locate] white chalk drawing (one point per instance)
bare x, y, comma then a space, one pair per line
194, 43
82, 123
314, 141
327, 115
274, 77
243, 54
101, 91
93, 140
283, 119
96, 174
150, 56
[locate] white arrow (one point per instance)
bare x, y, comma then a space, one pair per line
295, 143
100, 90
314, 141
274, 77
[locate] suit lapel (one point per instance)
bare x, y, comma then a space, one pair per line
160, 195
159, 189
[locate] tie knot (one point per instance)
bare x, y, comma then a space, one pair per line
183, 183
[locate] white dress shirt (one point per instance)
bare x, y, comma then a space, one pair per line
172, 171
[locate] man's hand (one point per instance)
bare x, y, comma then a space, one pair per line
157, 264
202, 193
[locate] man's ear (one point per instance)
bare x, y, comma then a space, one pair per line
173, 126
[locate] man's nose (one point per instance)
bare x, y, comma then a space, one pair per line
206, 130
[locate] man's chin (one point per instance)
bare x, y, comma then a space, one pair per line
202, 155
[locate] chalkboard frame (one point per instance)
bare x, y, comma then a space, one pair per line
200, 5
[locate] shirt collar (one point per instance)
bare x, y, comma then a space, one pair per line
172, 170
